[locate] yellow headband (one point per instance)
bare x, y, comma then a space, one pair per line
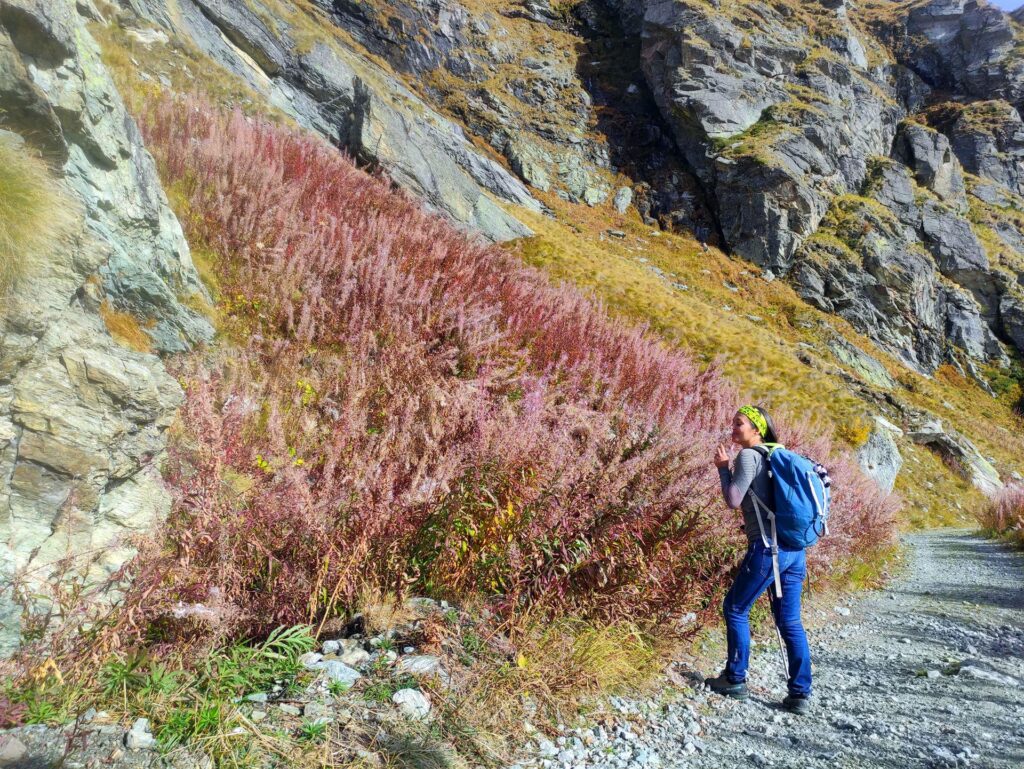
756, 417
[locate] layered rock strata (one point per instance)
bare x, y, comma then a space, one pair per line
83, 418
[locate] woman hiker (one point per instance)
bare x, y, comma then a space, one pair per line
752, 427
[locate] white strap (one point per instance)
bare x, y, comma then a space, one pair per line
758, 504
775, 557
822, 512
773, 546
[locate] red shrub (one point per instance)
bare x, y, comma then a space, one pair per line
411, 407
1003, 514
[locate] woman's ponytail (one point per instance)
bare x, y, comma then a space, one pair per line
770, 436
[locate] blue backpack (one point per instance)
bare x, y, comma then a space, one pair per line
802, 491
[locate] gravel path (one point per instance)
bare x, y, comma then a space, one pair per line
926, 673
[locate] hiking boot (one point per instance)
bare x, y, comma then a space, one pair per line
722, 685
797, 703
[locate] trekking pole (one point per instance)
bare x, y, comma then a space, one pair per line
778, 634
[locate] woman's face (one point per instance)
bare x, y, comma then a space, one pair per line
743, 430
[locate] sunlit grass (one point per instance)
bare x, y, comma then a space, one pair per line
755, 329
34, 211
759, 329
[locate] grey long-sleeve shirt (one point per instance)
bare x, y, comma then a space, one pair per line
749, 472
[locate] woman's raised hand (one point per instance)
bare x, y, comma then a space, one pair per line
721, 456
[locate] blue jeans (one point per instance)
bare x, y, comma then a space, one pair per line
755, 574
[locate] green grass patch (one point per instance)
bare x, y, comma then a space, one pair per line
382, 690
185, 702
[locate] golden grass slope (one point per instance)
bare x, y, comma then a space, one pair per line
764, 332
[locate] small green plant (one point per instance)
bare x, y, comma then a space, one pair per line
473, 644
161, 680
379, 665
245, 668
337, 688
175, 729
121, 676
42, 711
204, 717
209, 718
381, 691
312, 731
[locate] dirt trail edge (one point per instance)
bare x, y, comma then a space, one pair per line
928, 672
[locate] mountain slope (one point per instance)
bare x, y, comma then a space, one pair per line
901, 239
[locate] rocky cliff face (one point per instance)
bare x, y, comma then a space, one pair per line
834, 146
82, 416
872, 154
287, 52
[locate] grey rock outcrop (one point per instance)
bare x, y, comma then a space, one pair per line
988, 139
955, 449
1011, 311
964, 46
334, 89
82, 417
782, 123
774, 125
928, 154
880, 457
867, 367
878, 265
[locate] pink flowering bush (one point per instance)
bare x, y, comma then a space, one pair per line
395, 403
1003, 514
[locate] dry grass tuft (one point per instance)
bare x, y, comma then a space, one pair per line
558, 668
34, 211
382, 609
125, 328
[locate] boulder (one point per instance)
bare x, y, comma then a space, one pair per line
412, 703
958, 451
622, 200
423, 665
333, 669
139, 736
339, 671
530, 162
354, 657
12, 751
880, 457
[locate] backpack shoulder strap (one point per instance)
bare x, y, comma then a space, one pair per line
767, 449
773, 544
